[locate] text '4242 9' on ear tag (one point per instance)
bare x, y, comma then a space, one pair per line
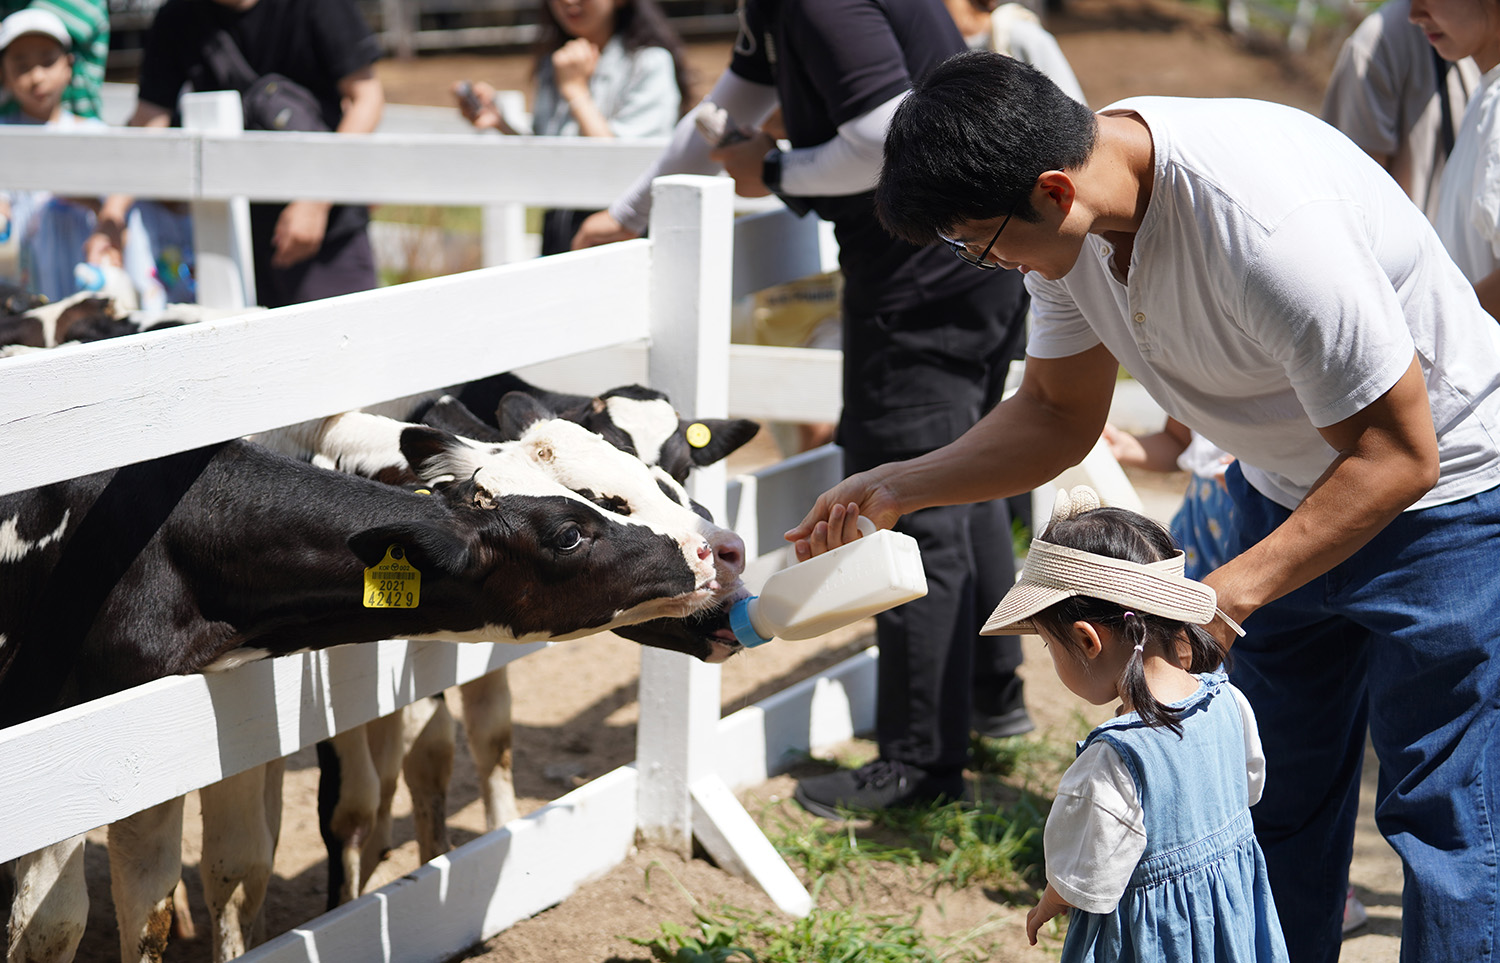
393, 583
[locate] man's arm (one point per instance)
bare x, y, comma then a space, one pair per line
302, 225
1387, 459
1050, 424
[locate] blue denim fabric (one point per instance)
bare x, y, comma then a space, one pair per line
1407, 627
1200, 892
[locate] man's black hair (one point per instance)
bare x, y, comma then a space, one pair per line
970, 141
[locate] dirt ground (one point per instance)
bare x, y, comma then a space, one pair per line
576, 702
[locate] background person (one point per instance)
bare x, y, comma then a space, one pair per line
1398, 100
604, 68
1468, 215
927, 342
307, 249
1238, 256
87, 23
54, 234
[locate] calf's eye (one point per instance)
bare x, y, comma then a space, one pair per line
568, 539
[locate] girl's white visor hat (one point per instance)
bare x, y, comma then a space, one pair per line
1054, 572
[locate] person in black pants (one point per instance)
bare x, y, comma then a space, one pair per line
927, 341
307, 249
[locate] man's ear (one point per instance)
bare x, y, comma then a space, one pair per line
1058, 189
1086, 635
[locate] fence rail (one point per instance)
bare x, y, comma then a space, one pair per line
660, 304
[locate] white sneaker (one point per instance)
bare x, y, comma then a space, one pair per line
1355, 914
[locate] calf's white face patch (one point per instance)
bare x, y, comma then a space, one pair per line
648, 423
13, 547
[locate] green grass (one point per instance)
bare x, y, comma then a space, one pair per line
843, 935
994, 841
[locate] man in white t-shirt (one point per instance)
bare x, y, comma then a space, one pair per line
1274, 290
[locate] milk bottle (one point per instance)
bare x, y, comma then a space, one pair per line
873, 573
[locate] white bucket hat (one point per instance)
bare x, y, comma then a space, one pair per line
33, 20
1055, 572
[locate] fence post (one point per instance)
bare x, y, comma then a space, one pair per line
680, 795
221, 229
691, 234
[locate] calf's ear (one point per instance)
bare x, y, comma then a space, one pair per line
519, 411
724, 436
432, 550
437, 456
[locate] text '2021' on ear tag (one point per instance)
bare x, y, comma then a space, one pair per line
393, 583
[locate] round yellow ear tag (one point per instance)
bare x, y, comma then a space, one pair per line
698, 434
393, 583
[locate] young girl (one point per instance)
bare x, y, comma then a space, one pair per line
604, 68
1468, 214
1150, 837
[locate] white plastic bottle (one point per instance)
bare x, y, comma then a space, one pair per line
107, 281
873, 573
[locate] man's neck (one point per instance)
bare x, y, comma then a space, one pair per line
45, 117
1124, 172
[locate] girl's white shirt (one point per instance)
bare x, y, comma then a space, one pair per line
1096, 832
1468, 214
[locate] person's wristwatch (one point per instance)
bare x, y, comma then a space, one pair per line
770, 170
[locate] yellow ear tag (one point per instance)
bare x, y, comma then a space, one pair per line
393, 583
698, 434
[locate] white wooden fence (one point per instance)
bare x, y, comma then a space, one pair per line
653, 310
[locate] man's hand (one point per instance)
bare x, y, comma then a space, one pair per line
1047, 907
299, 232
833, 520
601, 228
743, 162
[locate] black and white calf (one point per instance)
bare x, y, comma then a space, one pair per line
231, 552
356, 821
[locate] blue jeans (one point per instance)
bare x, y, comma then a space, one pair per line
1407, 628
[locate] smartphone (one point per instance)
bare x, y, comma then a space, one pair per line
468, 97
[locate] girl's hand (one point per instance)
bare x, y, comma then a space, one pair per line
573, 64
1126, 448
1047, 907
833, 520
481, 111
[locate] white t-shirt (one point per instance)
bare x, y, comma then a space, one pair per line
1468, 214
1280, 282
1096, 831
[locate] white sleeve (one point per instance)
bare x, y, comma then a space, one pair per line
1255, 756
1096, 831
747, 103
848, 163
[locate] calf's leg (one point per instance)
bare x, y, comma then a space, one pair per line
487, 724
145, 866
50, 906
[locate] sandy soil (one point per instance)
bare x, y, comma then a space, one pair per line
576, 702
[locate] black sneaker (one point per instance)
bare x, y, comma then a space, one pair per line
875, 786
1016, 722
1002, 714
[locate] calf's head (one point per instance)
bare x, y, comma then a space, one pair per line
628, 502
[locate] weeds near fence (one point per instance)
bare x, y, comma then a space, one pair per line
992, 840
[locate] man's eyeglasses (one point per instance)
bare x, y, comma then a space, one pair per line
982, 261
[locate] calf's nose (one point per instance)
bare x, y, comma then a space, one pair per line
729, 555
